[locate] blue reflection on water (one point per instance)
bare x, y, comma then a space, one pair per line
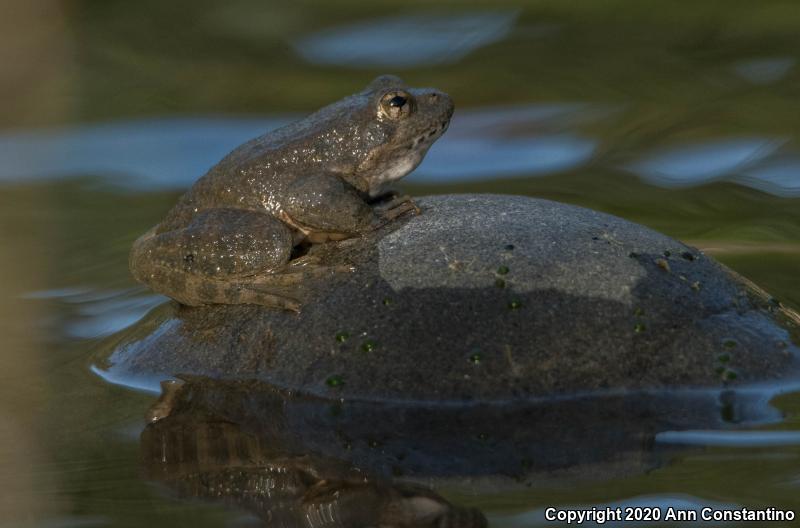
691, 165
406, 41
92, 313
766, 70
731, 438
479, 159
779, 176
136, 154
511, 120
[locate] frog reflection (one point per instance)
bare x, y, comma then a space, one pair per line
230, 238
199, 454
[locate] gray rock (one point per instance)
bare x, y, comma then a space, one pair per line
487, 298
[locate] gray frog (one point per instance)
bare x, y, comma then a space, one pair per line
230, 238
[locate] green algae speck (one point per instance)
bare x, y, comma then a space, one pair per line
502, 270
369, 345
341, 337
334, 381
729, 375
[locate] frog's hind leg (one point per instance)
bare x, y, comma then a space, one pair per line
243, 291
214, 260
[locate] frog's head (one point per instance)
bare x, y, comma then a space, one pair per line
403, 124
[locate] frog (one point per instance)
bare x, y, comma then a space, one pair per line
241, 233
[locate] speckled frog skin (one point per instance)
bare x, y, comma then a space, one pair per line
230, 238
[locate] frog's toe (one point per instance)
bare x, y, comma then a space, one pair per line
293, 276
305, 260
397, 208
396, 212
254, 293
163, 407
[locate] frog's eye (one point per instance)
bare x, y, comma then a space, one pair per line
397, 104
397, 100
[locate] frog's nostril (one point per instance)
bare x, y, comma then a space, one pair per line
433, 96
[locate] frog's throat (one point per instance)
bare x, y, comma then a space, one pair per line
382, 167
394, 172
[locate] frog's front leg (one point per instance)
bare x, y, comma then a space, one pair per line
326, 208
397, 207
224, 256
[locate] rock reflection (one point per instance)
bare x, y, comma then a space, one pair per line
296, 460
191, 445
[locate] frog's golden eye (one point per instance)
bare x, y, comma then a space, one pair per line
397, 104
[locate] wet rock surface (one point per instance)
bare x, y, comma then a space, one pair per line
486, 298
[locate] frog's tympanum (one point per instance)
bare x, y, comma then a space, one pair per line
231, 238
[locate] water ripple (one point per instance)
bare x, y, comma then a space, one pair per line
691, 165
731, 438
406, 41
96, 313
766, 70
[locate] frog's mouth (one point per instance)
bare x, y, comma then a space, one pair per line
427, 138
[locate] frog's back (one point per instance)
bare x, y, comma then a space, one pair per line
254, 173
304, 134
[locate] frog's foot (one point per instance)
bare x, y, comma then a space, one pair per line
303, 261
261, 294
163, 407
300, 273
268, 290
314, 263
236, 290
394, 209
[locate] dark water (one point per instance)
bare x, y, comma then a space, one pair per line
681, 116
